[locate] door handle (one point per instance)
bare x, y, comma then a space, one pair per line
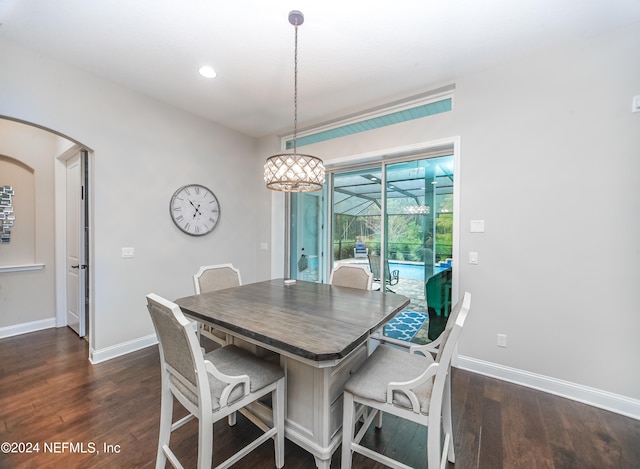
75, 266
83, 266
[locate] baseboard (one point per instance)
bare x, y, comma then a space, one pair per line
104, 354
595, 397
24, 328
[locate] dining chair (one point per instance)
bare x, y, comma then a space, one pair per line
409, 385
210, 387
351, 275
213, 278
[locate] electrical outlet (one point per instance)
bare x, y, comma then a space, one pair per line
502, 340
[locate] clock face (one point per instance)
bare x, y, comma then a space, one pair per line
194, 209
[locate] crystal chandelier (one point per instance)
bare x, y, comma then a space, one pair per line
294, 172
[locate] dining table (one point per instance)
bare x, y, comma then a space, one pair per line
320, 334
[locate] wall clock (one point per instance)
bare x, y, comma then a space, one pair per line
194, 209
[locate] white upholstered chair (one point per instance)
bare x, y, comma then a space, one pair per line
351, 275
213, 278
210, 387
412, 386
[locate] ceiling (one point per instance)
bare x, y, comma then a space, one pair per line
350, 58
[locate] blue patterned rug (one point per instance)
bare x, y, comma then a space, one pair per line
405, 325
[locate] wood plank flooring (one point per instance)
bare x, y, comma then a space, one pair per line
51, 395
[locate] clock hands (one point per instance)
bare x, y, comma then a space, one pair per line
197, 212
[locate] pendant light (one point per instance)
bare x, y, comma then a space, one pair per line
294, 172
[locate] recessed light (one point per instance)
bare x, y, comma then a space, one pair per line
207, 72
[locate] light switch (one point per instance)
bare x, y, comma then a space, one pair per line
473, 258
477, 226
127, 253
264, 246
635, 104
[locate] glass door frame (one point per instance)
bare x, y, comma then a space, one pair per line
447, 146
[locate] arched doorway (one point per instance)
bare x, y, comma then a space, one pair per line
38, 287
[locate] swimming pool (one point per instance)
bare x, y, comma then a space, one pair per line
409, 270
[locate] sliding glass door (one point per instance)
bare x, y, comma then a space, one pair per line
418, 238
396, 218
356, 215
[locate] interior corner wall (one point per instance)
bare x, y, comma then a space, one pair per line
549, 159
143, 151
29, 296
272, 211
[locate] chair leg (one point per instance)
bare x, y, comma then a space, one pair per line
166, 414
446, 420
379, 419
205, 440
348, 428
433, 442
278, 422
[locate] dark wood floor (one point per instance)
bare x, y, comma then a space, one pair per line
51, 395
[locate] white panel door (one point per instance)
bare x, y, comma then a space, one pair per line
75, 247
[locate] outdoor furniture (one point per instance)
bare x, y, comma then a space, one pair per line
360, 250
438, 295
411, 386
391, 278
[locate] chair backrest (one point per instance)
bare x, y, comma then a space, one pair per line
180, 354
374, 265
453, 329
351, 275
216, 277
360, 247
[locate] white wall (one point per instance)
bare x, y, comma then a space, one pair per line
143, 151
550, 159
28, 296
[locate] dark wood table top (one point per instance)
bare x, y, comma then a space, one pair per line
315, 321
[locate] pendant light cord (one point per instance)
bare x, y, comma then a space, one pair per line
295, 90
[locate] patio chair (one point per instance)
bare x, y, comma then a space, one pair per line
210, 387
411, 386
391, 277
360, 250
